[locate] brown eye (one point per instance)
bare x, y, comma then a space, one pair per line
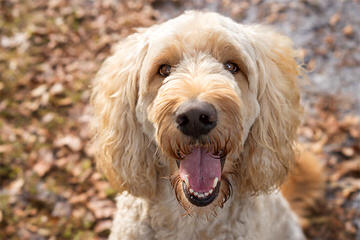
165, 70
231, 67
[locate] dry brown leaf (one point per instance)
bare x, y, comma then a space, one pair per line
61, 209
318, 146
350, 227
350, 120
103, 225
348, 151
348, 31
355, 132
39, 91
79, 212
76, 169
15, 186
73, 142
5, 148
331, 124
48, 117
307, 132
330, 40
80, 198
64, 101
30, 106
101, 208
346, 167
44, 232
311, 65
96, 176
42, 167
334, 19
58, 88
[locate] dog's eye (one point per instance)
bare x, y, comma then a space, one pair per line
165, 70
231, 67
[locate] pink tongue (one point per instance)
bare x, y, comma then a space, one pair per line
201, 169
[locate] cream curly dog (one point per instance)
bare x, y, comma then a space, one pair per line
195, 124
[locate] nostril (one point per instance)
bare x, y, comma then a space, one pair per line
182, 120
204, 119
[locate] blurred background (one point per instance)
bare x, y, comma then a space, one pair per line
50, 51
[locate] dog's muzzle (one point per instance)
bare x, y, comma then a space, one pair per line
200, 169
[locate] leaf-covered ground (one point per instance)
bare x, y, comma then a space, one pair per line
50, 51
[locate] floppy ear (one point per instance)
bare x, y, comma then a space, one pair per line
122, 150
269, 149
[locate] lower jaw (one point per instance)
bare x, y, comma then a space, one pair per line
201, 202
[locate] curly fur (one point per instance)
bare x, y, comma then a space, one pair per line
259, 112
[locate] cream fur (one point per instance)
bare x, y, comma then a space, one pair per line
259, 111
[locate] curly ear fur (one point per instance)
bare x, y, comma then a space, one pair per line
124, 153
269, 150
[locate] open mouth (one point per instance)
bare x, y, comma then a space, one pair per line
200, 172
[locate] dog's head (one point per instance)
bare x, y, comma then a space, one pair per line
214, 102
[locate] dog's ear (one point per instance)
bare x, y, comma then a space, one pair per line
122, 150
269, 149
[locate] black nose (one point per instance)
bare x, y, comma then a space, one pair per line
196, 118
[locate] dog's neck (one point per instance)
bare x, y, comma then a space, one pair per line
167, 216
245, 217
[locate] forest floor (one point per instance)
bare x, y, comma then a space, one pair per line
50, 51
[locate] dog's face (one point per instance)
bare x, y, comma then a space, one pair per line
197, 98
221, 105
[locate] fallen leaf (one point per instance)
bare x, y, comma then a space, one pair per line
350, 120
334, 19
80, 198
311, 65
73, 142
61, 209
355, 132
348, 31
46, 161
15, 186
348, 151
79, 212
48, 117
41, 168
103, 226
40, 90
5, 148
350, 227
58, 88
330, 40
102, 208
64, 101
346, 167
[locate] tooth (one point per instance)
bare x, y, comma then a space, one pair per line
191, 190
211, 191
186, 181
215, 182
196, 194
206, 194
201, 195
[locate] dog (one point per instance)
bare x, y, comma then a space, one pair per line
195, 124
